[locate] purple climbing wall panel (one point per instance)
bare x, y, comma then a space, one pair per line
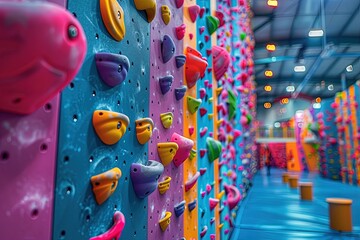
159, 103
27, 169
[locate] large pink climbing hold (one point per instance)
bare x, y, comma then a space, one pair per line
180, 31
221, 61
233, 196
221, 17
195, 66
179, 3
213, 203
183, 152
194, 12
42, 48
115, 231
191, 182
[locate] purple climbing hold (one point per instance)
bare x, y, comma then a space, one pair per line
112, 68
167, 48
144, 177
179, 208
180, 92
194, 12
192, 205
180, 60
185, 146
165, 83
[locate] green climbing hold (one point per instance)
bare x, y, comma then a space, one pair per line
212, 24
249, 118
231, 104
213, 148
242, 36
192, 154
193, 104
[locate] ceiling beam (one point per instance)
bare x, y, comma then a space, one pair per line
334, 63
267, 21
350, 19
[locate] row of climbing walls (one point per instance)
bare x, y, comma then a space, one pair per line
336, 127
127, 120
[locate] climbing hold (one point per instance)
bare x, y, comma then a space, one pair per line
180, 31
192, 154
180, 92
203, 231
113, 18
233, 196
212, 220
192, 205
149, 6
214, 148
179, 3
218, 90
167, 119
203, 111
213, 202
191, 182
193, 104
115, 231
104, 184
202, 11
167, 48
191, 130
185, 146
109, 126
207, 38
203, 131
144, 177
179, 208
212, 24
165, 221
242, 36
191, 36
165, 83
144, 129
231, 104
180, 60
195, 66
165, 14
164, 185
202, 212
112, 68
221, 61
202, 93
220, 194
201, 45
208, 188
37, 65
194, 12
167, 151
201, 29
203, 193
220, 225
202, 152
202, 171
210, 116
221, 17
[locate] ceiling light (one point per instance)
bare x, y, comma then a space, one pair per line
277, 124
300, 68
316, 33
267, 105
284, 101
349, 68
267, 88
273, 59
317, 105
270, 47
331, 87
290, 88
318, 100
268, 73
272, 3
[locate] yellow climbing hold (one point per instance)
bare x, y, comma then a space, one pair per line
167, 152
165, 221
167, 119
144, 129
165, 14
164, 185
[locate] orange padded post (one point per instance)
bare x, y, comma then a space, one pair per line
306, 190
340, 214
293, 181
285, 177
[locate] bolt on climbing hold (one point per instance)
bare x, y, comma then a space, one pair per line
104, 184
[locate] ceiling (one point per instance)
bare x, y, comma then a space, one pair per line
325, 58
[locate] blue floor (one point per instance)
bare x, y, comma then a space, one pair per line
273, 211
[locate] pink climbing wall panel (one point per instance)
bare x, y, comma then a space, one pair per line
159, 103
27, 171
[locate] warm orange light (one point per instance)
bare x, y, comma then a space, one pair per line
267, 105
268, 73
267, 88
272, 3
270, 47
284, 101
318, 100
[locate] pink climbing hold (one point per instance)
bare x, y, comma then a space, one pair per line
221, 17
233, 196
202, 92
203, 231
208, 188
237, 133
191, 182
191, 36
202, 171
212, 236
115, 231
202, 152
201, 29
221, 61
203, 111
180, 31
183, 152
191, 130
208, 52
203, 131
179, 3
207, 38
194, 12
213, 202
203, 193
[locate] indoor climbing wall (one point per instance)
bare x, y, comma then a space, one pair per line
93, 105
355, 98
27, 160
298, 119
166, 80
309, 142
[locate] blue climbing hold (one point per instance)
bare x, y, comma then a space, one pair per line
180, 92
165, 83
179, 208
180, 60
192, 205
167, 48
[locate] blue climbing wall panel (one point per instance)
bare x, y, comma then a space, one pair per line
205, 121
81, 154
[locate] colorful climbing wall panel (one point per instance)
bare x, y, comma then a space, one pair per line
356, 122
298, 119
165, 103
81, 151
292, 159
27, 170
309, 142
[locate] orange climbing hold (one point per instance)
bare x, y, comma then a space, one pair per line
113, 18
144, 129
104, 184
